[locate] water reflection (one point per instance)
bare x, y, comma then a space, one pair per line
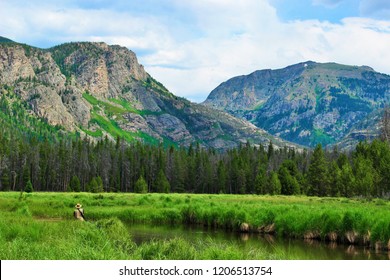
307, 249
244, 236
332, 245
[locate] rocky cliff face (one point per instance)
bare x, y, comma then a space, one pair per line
36, 79
308, 103
101, 90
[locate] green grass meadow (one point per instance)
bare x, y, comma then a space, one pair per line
39, 226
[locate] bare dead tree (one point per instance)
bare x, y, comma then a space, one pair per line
14, 175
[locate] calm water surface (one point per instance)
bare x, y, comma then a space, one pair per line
295, 249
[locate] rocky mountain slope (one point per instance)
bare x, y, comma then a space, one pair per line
308, 103
100, 90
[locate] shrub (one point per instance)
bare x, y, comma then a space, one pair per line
74, 185
29, 187
96, 185
141, 186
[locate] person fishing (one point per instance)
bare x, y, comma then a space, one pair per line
79, 212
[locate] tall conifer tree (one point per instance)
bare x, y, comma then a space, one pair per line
317, 174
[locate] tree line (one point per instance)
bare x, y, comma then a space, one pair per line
35, 156
107, 166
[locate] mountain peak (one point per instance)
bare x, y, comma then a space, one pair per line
99, 91
306, 103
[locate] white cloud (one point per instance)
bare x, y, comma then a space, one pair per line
203, 43
267, 42
36, 24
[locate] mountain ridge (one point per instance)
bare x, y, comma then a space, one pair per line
5, 40
306, 103
99, 90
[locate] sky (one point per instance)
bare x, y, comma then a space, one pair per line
193, 46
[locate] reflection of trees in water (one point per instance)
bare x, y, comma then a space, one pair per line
351, 250
289, 248
367, 252
332, 245
312, 242
269, 238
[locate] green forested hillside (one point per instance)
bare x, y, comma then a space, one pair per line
87, 117
17, 122
35, 156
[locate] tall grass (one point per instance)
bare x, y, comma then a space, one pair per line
43, 239
32, 225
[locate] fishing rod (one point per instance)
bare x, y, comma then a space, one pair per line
82, 215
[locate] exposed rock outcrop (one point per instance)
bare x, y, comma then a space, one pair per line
308, 103
97, 89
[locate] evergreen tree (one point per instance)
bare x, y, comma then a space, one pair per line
180, 170
364, 177
162, 183
74, 185
362, 149
261, 182
379, 153
317, 174
209, 174
347, 180
29, 187
334, 180
25, 175
274, 185
342, 160
5, 182
289, 184
292, 169
241, 181
114, 182
99, 185
221, 177
92, 185
141, 186
270, 152
95, 185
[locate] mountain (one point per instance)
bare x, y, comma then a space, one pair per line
5, 40
308, 103
97, 90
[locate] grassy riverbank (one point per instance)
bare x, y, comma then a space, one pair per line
41, 226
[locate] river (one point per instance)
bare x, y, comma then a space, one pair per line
292, 248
